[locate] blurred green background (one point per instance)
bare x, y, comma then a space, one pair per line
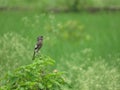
82, 36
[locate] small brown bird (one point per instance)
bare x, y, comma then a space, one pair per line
38, 46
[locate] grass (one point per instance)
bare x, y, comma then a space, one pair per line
91, 64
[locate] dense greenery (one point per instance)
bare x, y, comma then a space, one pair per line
36, 76
91, 61
61, 4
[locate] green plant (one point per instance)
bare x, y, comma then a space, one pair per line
71, 30
36, 76
12, 48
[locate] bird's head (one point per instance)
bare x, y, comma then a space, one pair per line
39, 38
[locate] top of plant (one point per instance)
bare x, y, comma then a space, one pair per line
35, 76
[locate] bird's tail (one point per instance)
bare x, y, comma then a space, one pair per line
33, 56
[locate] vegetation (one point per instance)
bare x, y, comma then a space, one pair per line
84, 45
91, 62
36, 76
73, 5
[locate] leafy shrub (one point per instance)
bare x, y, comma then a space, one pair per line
36, 76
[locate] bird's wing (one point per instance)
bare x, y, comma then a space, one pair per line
36, 46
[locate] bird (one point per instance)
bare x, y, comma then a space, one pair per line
38, 46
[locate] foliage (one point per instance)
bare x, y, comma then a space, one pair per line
72, 5
12, 48
84, 72
36, 76
70, 30
11, 42
87, 73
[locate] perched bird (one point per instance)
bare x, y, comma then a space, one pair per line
38, 46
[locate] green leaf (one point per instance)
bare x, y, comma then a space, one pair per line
41, 86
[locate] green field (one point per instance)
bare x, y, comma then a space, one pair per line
91, 62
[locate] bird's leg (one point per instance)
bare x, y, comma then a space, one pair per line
33, 56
